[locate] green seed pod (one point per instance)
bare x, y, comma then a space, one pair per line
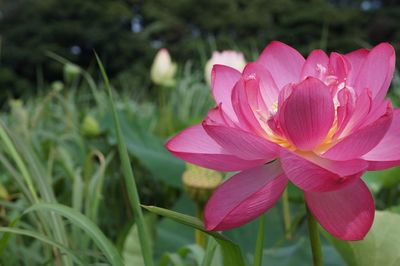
71, 72
90, 127
200, 182
4, 193
57, 85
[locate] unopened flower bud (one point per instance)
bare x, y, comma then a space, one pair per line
90, 127
71, 72
228, 58
57, 85
163, 69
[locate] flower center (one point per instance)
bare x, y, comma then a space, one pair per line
269, 122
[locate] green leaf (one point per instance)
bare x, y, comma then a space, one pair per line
246, 237
295, 194
210, 251
149, 150
231, 252
299, 254
182, 258
6, 236
44, 239
131, 251
173, 258
86, 225
196, 252
382, 179
374, 183
394, 209
380, 247
170, 234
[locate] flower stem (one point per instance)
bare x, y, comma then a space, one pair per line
200, 236
258, 254
287, 219
314, 239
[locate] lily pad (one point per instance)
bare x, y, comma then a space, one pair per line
380, 247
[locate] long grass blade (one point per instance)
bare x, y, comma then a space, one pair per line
10, 148
42, 181
6, 236
86, 225
129, 177
44, 239
33, 173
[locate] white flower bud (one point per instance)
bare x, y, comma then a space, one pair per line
163, 69
228, 58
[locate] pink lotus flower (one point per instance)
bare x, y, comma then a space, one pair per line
320, 123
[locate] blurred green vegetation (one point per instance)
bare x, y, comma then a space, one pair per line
127, 33
60, 147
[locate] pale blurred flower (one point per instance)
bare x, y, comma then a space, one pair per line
228, 58
163, 69
57, 85
71, 72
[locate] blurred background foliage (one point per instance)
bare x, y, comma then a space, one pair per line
127, 33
